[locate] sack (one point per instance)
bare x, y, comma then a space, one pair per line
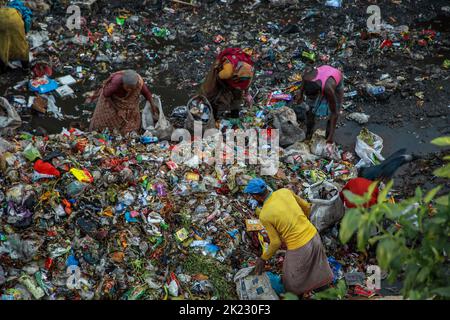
206, 124
319, 146
147, 117
298, 153
369, 152
163, 128
9, 118
253, 287
324, 213
285, 120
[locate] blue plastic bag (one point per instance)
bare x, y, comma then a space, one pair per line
42, 85
276, 283
336, 267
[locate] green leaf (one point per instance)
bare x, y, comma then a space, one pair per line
375, 239
349, 224
363, 236
289, 296
383, 194
418, 193
386, 252
443, 172
353, 198
447, 157
423, 274
430, 195
368, 195
443, 201
443, 292
337, 293
441, 141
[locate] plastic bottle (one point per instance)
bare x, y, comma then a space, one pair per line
148, 140
375, 90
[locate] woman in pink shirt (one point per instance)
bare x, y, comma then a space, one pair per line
324, 91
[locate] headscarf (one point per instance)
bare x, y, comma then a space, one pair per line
256, 186
26, 13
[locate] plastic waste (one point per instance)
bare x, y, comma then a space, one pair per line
368, 147
254, 287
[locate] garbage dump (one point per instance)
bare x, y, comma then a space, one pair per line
100, 215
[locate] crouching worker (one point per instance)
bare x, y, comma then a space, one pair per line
228, 81
324, 91
118, 103
15, 22
285, 218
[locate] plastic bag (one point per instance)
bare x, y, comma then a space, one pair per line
368, 148
147, 117
82, 175
319, 146
253, 287
43, 85
206, 124
163, 128
6, 146
298, 153
31, 153
9, 118
285, 120
324, 213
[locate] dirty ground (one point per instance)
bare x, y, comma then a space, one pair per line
172, 49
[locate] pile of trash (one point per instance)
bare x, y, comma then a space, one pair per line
98, 215
170, 49
101, 216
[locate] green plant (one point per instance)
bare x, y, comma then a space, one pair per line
411, 237
336, 293
195, 264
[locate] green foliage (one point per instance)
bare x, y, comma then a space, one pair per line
336, 293
442, 141
195, 264
443, 172
289, 296
412, 238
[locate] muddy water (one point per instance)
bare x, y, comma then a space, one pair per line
415, 136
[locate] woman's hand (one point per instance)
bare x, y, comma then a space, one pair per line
259, 266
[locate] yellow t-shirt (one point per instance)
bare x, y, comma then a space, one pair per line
285, 218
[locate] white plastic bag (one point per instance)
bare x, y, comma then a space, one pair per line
163, 128
9, 118
147, 118
319, 146
369, 155
253, 287
324, 213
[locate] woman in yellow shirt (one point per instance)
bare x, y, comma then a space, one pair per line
15, 20
285, 218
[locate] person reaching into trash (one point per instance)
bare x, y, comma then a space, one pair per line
381, 172
284, 215
323, 88
359, 186
387, 168
16, 21
118, 103
227, 83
